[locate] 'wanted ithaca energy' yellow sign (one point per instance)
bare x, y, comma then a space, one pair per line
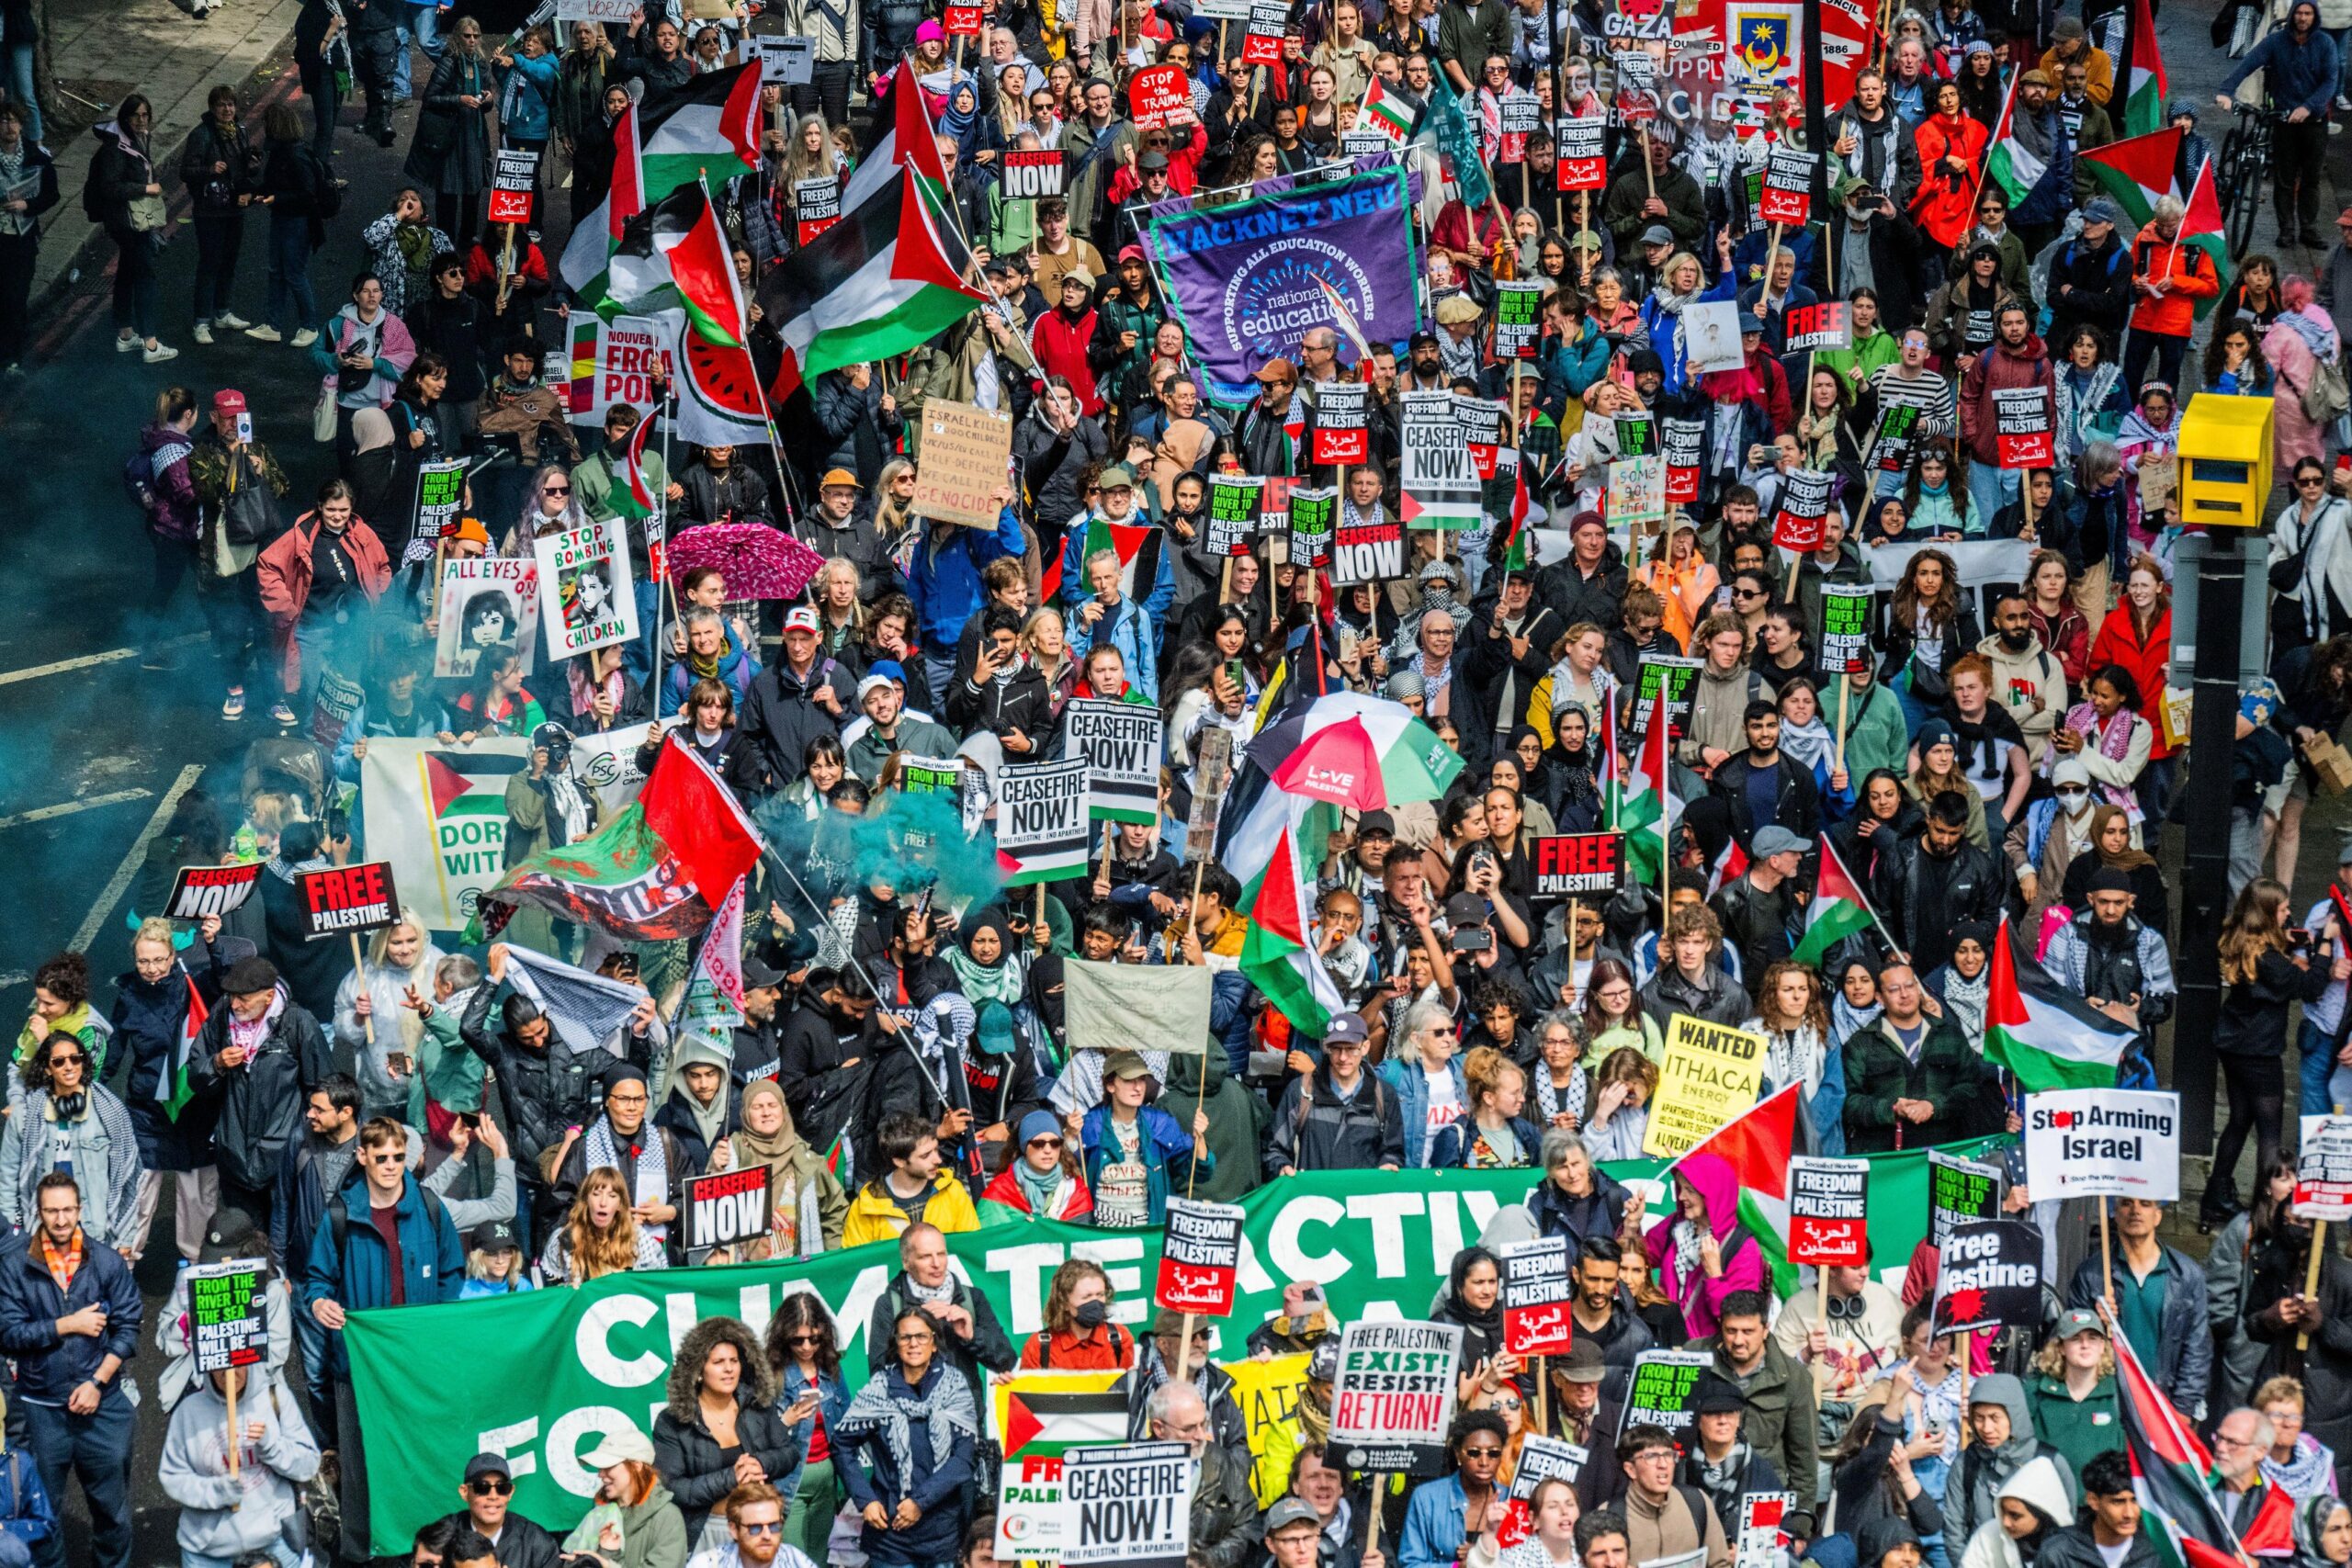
1711, 1074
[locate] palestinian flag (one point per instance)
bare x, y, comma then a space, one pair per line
707, 129
885, 278
2010, 163
1266, 855
2047, 1037
175, 1089
633, 495
2137, 172
902, 137
1757, 1145
1839, 910
1635, 803
1515, 542
622, 879
1044, 1414
674, 255
1391, 111
2169, 1469
2202, 230
1729, 866
2144, 75
1133, 545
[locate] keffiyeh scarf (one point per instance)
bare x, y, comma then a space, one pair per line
947, 1410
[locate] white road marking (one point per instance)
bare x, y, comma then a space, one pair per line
87, 662
47, 813
120, 883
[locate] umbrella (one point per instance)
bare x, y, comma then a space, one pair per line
1412, 762
1337, 764
759, 562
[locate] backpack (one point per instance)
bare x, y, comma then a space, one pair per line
138, 482
326, 195
339, 1216
2328, 394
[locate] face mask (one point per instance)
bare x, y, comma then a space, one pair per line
1091, 1316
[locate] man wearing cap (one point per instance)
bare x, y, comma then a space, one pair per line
1294, 1534
488, 1495
1261, 437
238, 485
258, 1057
1115, 505
845, 527
70, 1314
1758, 907
1646, 262
1776, 1393
1338, 1117
1155, 1369
1583, 1414
793, 702
2071, 44
2110, 955
1721, 1465
1632, 204
886, 728
382, 1243
2090, 279
1062, 335
1125, 316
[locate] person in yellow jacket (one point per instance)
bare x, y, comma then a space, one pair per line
914, 1188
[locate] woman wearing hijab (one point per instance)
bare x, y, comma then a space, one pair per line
1703, 1252
1474, 1299
2112, 849
374, 467
2323, 1531
807, 1206
987, 959
1963, 982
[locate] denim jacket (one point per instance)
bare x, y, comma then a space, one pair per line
832, 1398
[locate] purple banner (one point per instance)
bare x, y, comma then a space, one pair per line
1249, 278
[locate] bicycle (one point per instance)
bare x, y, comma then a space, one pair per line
2239, 173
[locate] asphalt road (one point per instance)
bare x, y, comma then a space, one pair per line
94, 752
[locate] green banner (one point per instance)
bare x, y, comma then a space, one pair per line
542, 1376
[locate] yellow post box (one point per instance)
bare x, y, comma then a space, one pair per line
2225, 457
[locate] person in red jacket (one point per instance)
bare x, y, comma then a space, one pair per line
2015, 360
2168, 277
1061, 335
318, 580
2137, 634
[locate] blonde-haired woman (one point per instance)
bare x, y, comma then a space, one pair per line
1045, 638
600, 1236
378, 1022
149, 1013
2072, 1394
895, 523
1621, 1105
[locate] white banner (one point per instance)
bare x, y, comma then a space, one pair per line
2096, 1143
438, 814
607, 762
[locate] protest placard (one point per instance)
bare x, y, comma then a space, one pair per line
1710, 336
440, 497
1535, 1295
1518, 114
1482, 424
816, 206
1130, 1504
784, 60
1661, 1389
1440, 476
1711, 1073
585, 597
610, 13
1028, 174
1827, 1225
487, 602
1636, 499
730, 1207
1845, 625
1683, 444
1234, 503
1802, 515
340, 898
1156, 92
1636, 434
1825, 325
2103, 1143
511, 183
1679, 679
1960, 1190
1762, 1542
1583, 157
1121, 744
1393, 1398
1041, 819
225, 1321
1579, 865
2022, 426
1200, 1257
1313, 514
965, 452
1899, 426
1989, 1277
965, 21
1263, 44
1518, 322
1338, 435
1788, 187
2323, 1170
1367, 552
202, 890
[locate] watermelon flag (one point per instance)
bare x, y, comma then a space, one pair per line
1388, 110
2137, 171
2202, 230
2170, 1470
674, 266
708, 127
1277, 895
1645, 798
1757, 1145
2014, 166
1838, 908
2046, 1036
2144, 76
885, 278
174, 1088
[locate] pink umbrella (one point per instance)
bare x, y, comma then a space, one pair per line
1337, 764
758, 562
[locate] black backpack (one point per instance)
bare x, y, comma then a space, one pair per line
326, 191
339, 1216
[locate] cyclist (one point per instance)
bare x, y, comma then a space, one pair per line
2300, 66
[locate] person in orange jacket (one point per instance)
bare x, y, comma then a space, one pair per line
317, 579
2168, 277
1951, 157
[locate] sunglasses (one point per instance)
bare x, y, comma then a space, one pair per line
1044, 1143
1482, 1453
71, 1059
804, 1340
491, 1486
395, 1158
771, 1526
556, 490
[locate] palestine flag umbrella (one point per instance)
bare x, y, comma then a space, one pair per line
1414, 765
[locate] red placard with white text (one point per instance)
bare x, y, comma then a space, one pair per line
347, 898
1200, 1257
1827, 1219
1536, 1293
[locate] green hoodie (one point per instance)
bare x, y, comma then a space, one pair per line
1237, 1122
2077, 1428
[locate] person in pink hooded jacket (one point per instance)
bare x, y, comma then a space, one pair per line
1703, 1252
